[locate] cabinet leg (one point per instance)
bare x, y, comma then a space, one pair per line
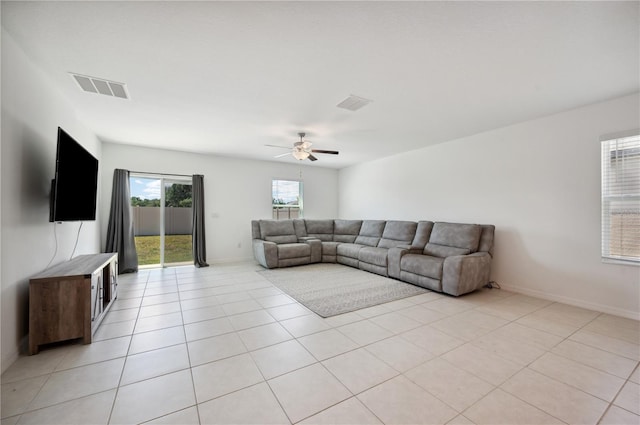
33, 348
86, 339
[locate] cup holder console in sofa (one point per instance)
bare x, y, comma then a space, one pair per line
453, 258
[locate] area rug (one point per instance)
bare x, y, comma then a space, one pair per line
332, 289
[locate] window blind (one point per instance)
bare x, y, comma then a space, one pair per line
621, 199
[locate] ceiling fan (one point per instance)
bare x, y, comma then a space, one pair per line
302, 150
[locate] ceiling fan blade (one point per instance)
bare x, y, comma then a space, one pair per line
282, 154
276, 146
323, 151
312, 158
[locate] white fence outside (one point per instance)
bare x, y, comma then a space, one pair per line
283, 212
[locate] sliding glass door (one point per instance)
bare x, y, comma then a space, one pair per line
177, 248
162, 218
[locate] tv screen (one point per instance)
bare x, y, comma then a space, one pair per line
73, 190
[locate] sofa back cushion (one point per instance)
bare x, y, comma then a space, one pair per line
371, 232
320, 229
299, 227
278, 231
464, 237
255, 229
398, 233
486, 238
423, 233
346, 230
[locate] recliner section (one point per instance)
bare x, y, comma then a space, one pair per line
369, 236
275, 244
453, 258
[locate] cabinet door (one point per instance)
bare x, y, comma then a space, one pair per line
113, 269
96, 296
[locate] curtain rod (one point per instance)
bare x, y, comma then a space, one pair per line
160, 174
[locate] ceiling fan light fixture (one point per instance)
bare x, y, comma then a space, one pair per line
302, 150
300, 154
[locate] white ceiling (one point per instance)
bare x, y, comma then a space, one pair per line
229, 77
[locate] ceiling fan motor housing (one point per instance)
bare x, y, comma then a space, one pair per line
302, 150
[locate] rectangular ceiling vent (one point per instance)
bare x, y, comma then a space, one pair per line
101, 86
353, 103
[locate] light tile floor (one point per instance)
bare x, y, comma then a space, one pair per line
223, 345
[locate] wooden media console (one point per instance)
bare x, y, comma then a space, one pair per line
69, 300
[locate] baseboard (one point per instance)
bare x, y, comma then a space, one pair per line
10, 359
574, 302
232, 260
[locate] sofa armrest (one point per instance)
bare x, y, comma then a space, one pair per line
465, 273
412, 249
316, 249
394, 257
265, 253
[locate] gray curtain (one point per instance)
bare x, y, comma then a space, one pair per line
120, 236
199, 245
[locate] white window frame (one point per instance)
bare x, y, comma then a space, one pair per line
299, 207
620, 190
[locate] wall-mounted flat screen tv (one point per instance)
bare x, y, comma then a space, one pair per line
74, 188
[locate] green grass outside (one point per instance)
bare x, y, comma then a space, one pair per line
177, 249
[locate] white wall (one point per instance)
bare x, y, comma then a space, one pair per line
236, 191
538, 182
32, 110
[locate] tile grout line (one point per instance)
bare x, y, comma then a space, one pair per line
613, 399
124, 365
264, 379
27, 408
499, 386
393, 334
186, 344
616, 396
526, 366
567, 338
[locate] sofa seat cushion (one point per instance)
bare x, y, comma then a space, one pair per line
422, 265
350, 250
373, 255
330, 248
293, 250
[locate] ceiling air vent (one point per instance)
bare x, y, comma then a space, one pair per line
353, 103
100, 85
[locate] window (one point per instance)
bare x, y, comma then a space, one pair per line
287, 199
621, 199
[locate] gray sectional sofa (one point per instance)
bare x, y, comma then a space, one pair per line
453, 258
